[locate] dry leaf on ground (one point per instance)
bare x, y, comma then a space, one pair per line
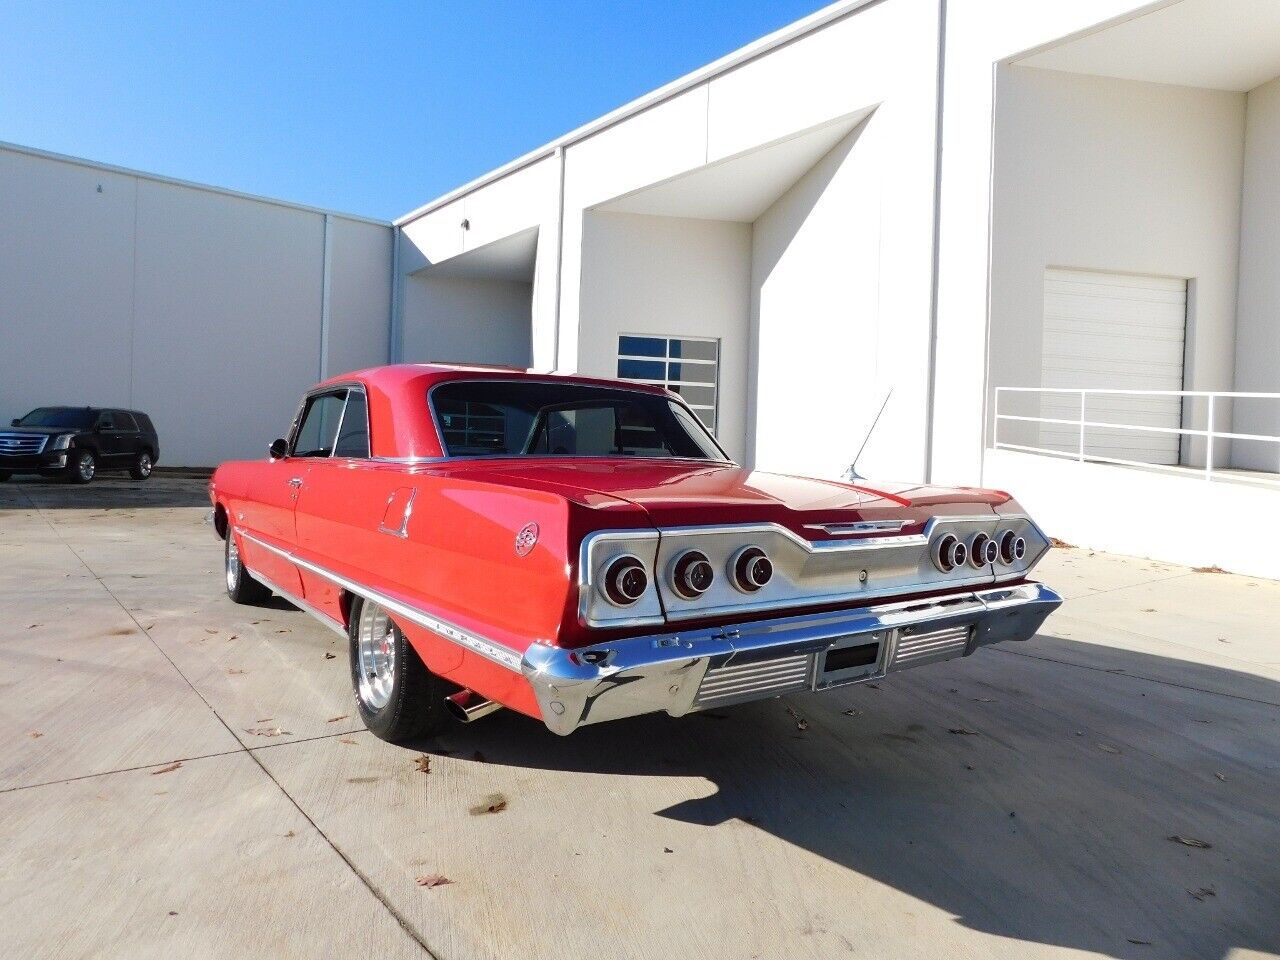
341, 716
495, 803
422, 764
266, 732
168, 769
1191, 842
432, 880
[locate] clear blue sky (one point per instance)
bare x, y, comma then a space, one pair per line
371, 108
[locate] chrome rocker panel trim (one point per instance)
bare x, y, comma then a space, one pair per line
489, 649
648, 674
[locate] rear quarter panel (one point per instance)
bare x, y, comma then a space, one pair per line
457, 560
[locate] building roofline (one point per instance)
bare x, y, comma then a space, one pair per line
189, 184
757, 48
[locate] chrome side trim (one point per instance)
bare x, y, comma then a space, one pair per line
297, 601
490, 649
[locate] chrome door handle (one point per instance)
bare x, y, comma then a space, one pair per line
295, 481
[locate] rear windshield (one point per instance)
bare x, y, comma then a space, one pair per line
511, 418
75, 418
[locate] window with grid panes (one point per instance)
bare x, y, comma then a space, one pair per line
688, 366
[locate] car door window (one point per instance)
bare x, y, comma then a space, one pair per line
353, 437
318, 428
106, 421
125, 421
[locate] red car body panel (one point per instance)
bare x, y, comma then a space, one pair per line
456, 556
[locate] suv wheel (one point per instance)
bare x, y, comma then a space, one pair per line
141, 468
83, 467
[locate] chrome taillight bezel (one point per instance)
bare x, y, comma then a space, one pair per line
750, 569
691, 574
617, 583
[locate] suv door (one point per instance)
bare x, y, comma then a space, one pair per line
128, 438
108, 437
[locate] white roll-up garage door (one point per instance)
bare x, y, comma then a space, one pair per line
1116, 331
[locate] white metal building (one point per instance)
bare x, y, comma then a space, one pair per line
933, 201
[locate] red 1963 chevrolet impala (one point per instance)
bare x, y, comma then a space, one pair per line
580, 550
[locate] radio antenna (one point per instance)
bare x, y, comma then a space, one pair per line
852, 472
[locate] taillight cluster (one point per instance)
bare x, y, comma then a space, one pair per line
624, 580
950, 552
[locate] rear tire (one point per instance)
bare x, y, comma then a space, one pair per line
142, 465
399, 699
83, 467
241, 587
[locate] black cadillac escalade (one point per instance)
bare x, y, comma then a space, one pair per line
78, 442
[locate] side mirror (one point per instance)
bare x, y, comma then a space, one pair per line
15, 421
278, 450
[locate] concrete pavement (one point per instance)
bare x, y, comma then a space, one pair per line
1014, 804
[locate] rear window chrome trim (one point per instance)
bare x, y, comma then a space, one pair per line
622, 386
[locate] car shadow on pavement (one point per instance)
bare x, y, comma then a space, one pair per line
107, 492
1053, 793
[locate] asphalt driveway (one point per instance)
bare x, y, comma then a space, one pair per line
182, 777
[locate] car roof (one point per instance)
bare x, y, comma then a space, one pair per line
401, 424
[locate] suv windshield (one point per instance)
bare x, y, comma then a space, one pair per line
74, 418
507, 418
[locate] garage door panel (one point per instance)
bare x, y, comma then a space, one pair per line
1116, 332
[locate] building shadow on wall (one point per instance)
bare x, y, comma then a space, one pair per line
1031, 792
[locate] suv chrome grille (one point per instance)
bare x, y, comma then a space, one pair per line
915, 649
22, 444
758, 679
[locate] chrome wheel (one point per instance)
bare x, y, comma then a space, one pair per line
376, 638
85, 466
144, 464
233, 562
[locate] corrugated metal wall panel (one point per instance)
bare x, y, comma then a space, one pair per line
1114, 331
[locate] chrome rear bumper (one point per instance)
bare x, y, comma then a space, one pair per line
693, 670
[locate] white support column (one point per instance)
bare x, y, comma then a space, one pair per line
326, 280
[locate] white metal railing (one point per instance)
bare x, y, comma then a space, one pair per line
1082, 423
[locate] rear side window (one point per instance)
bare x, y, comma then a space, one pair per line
318, 430
125, 421
353, 437
145, 423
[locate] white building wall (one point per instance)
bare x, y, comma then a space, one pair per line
525, 198
200, 307
825, 354
1258, 316
669, 276
1102, 174
979, 34
466, 320
883, 56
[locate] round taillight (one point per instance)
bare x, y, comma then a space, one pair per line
1012, 547
750, 569
624, 581
692, 574
949, 553
983, 551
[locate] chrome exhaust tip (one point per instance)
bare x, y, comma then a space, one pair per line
467, 705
